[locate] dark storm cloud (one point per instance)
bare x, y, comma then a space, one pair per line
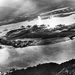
24, 8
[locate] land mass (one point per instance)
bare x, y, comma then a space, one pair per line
66, 68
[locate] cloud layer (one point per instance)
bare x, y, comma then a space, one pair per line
31, 56
12, 9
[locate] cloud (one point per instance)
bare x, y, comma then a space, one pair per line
4, 55
31, 56
25, 8
10, 3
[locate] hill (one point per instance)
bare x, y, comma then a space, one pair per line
66, 68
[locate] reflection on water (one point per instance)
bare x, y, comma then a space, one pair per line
30, 56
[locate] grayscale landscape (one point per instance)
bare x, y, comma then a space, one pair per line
37, 37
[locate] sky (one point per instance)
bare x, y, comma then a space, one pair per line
34, 55
10, 57
11, 9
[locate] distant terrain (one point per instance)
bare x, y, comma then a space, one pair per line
66, 68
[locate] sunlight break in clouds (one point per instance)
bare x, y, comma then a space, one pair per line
39, 20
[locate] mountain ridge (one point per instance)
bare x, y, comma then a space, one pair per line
47, 69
